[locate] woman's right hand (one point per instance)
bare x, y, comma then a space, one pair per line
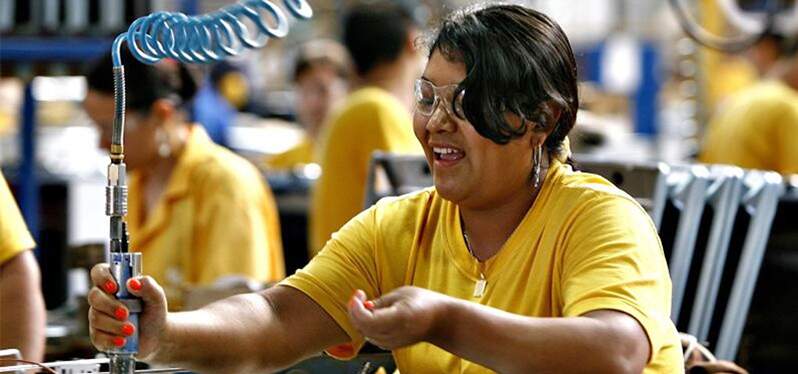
108, 318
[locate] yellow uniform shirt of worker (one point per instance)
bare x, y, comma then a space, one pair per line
217, 217
370, 120
301, 153
583, 246
14, 235
756, 129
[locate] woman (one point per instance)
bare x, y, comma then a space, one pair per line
196, 211
321, 75
512, 263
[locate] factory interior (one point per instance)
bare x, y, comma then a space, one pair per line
317, 186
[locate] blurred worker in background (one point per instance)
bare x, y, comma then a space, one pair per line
22, 312
197, 211
512, 263
380, 37
321, 76
757, 128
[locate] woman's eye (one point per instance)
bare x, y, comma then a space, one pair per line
426, 101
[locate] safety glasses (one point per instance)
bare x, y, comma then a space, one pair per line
428, 96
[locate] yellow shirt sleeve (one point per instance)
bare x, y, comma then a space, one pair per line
14, 236
302, 153
787, 137
347, 263
613, 260
238, 234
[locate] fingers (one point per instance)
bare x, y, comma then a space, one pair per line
148, 290
101, 277
104, 341
370, 321
107, 304
386, 300
357, 310
102, 322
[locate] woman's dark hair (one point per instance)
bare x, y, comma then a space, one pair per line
144, 84
517, 60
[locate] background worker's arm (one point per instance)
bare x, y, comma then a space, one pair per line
242, 334
22, 307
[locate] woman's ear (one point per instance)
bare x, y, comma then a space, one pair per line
547, 117
550, 114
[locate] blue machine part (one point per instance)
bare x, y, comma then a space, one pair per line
126, 265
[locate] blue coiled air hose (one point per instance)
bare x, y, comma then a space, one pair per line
199, 39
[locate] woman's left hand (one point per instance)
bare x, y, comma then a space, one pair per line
402, 317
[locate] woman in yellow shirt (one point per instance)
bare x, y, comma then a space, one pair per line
321, 74
512, 263
197, 211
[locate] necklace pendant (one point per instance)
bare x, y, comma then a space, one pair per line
479, 287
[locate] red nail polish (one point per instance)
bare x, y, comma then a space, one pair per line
119, 342
109, 286
128, 329
120, 313
134, 284
368, 304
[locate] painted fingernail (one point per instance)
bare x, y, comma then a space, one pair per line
134, 284
368, 304
109, 286
128, 329
119, 341
120, 313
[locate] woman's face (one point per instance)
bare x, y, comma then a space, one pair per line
318, 89
139, 138
468, 169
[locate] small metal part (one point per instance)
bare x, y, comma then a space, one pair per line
121, 363
116, 191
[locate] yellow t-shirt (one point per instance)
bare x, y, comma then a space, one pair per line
216, 217
371, 119
14, 235
756, 129
583, 246
302, 153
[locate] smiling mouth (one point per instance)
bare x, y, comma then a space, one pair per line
447, 154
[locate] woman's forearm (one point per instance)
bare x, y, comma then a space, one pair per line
510, 343
248, 333
231, 335
22, 307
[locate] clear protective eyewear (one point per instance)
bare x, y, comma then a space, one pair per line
428, 96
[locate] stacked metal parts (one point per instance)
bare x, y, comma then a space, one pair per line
201, 39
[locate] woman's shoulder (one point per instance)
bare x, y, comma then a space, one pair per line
409, 204
371, 104
222, 170
578, 191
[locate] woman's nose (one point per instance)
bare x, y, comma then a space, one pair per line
440, 120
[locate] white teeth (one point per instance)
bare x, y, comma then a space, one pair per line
444, 151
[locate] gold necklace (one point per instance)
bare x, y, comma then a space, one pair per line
482, 283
